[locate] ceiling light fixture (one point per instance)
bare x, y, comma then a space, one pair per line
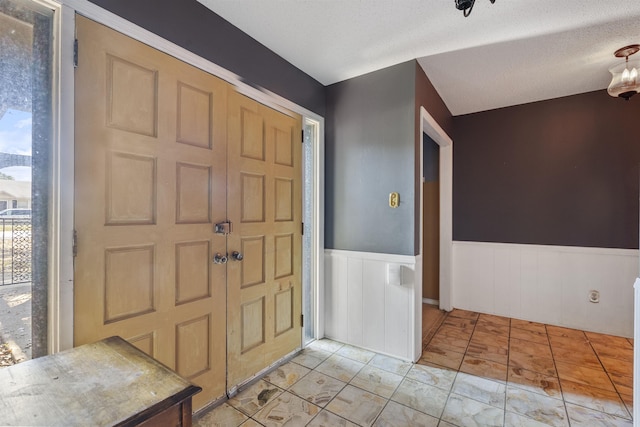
625, 81
466, 6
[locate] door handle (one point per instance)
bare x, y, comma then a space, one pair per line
219, 259
237, 256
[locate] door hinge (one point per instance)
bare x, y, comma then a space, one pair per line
303, 228
302, 320
302, 136
75, 53
74, 247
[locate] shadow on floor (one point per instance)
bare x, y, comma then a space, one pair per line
15, 321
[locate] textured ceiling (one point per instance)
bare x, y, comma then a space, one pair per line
508, 53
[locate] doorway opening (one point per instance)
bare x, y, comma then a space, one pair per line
430, 129
430, 221
26, 30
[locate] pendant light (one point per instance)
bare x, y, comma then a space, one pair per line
625, 81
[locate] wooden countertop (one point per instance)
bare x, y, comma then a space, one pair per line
109, 382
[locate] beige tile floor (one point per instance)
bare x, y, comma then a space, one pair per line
477, 370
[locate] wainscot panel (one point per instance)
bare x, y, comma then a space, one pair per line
373, 301
547, 284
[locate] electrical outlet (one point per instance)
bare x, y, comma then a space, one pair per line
594, 296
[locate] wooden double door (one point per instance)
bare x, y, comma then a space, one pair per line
163, 153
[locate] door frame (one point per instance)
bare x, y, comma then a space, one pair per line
431, 127
61, 213
317, 240
60, 209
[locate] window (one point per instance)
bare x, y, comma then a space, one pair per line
25, 141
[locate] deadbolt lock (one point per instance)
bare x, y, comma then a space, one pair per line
219, 259
223, 228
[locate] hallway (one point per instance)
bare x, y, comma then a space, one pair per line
476, 370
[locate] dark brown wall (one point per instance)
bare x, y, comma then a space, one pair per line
426, 96
189, 24
557, 172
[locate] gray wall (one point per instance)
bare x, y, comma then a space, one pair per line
370, 146
189, 24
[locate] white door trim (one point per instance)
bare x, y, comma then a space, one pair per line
429, 126
60, 303
61, 215
317, 249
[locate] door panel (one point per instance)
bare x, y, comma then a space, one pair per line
264, 290
150, 182
154, 139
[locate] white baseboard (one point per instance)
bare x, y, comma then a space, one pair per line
547, 284
431, 301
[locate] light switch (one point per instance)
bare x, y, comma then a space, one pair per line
394, 200
394, 274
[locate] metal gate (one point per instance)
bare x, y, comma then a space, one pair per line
15, 250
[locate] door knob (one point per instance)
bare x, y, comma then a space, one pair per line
220, 259
237, 256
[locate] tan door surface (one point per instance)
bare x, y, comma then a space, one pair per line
264, 289
150, 182
431, 240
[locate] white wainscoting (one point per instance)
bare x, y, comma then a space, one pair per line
548, 284
366, 308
